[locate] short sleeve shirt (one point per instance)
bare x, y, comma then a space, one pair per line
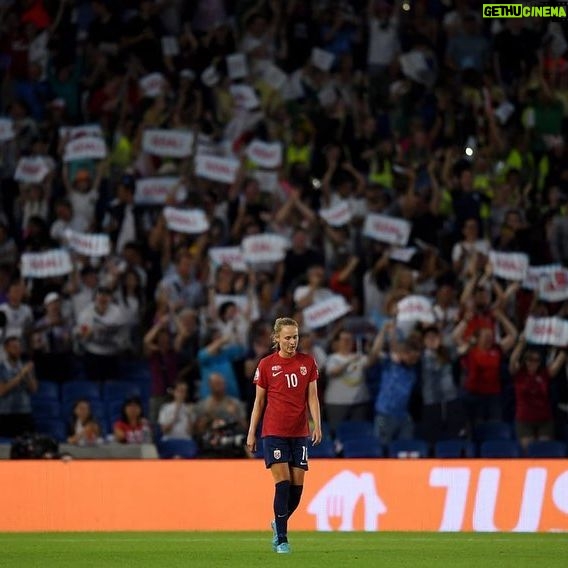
286, 381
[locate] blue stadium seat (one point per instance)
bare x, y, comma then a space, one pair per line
365, 447
493, 431
74, 390
120, 390
448, 449
45, 408
349, 429
408, 449
325, 449
47, 390
499, 449
177, 449
52, 427
547, 449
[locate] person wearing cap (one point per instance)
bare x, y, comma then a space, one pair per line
101, 327
17, 382
51, 342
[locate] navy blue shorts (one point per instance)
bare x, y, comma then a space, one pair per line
286, 450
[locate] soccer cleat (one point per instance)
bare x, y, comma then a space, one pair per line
274, 535
283, 548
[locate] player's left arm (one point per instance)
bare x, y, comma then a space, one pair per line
314, 406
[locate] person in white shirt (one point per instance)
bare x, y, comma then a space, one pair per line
314, 291
176, 418
101, 330
19, 316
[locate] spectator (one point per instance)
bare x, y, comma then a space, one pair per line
19, 316
17, 382
314, 290
176, 418
84, 430
220, 421
533, 405
100, 329
132, 427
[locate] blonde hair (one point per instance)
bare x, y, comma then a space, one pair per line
279, 323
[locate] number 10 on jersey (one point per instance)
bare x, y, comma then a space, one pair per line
292, 380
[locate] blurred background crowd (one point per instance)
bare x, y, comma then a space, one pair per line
420, 110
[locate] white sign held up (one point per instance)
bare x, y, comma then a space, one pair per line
415, 308
547, 331
31, 170
553, 286
509, 265
191, 221
88, 244
167, 143
155, 190
55, 262
324, 312
237, 66
264, 248
216, 168
392, 230
534, 274
233, 256
337, 215
85, 148
265, 154
152, 85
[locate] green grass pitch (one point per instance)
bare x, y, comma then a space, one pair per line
251, 549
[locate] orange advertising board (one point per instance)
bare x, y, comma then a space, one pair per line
372, 495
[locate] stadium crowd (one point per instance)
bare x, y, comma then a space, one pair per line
175, 175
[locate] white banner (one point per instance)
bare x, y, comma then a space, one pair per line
216, 168
264, 248
534, 274
31, 170
244, 96
237, 66
240, 300
274, 76
192, 221
88, 244
338, 215
265, 154
386, 229
233, 256
72, 132
553, 286
170, 46
547, 331
56, 262
6, 129
509, 265
415, 308
155, 190
402, 254
152, 85
267, 180
322, 59
85, 148
324, 312
167, 143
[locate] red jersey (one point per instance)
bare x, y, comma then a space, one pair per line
483, 371
532, 400
286, 381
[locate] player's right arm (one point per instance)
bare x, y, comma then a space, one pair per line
256, 414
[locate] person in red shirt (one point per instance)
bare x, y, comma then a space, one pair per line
531, 377
286, 386
482, 361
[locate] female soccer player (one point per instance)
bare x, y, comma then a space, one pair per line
285, 382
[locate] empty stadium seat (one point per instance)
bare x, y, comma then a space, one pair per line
493, 431
325, 449
74, 390
448, 449
408, 449
365, 447
47, 390
499, 449
53, 427
350, 429
547, 449
120, 390
45, 408
174, 448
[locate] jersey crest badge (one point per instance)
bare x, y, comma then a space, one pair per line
303, 370
277, 367
277, 454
